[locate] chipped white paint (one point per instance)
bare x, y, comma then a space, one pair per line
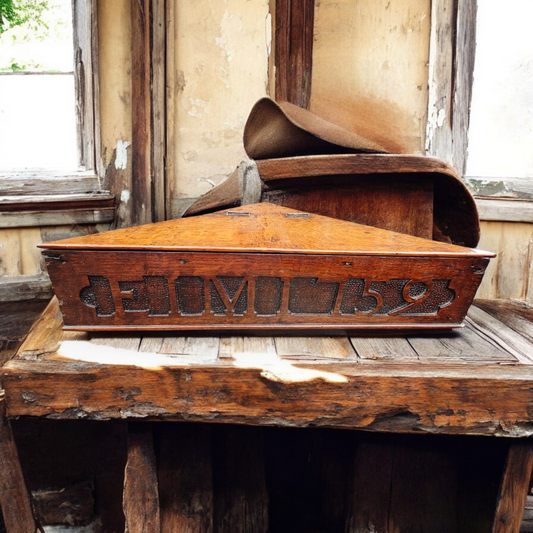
268, 33
441, 115
121, 158
125, 196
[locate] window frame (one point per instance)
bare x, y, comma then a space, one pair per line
451, 75
30, 198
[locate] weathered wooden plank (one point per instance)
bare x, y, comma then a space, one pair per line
185, 478
122, 342
450, 399
151, 344
240, 493
294, 50
86, 80
314, 348
505, 210
463, 346
23, 219
517, 315
14, 496
384, 348
514, 487
501, 335
45, 334
201, 348
158, 106
19, 288
141, 201
241, 348
57, 201
451, 60
229, 346
41, 183
515, 256
141, 497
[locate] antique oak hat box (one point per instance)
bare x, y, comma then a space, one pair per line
257, 267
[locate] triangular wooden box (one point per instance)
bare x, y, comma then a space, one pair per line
261, 266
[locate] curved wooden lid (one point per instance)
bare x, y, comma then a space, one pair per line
264, 228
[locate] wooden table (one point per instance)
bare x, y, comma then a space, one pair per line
477, 380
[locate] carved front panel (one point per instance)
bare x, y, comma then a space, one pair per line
202, 290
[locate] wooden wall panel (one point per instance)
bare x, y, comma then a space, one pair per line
19, 254
509, 274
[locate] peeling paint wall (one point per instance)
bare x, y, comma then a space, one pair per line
218, 68
114, 27
375, 52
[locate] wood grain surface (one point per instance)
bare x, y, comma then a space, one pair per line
261, 227
457, 383
14, 496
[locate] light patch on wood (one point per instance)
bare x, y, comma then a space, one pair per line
280, 370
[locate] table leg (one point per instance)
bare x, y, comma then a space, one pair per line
14, 496
514, 487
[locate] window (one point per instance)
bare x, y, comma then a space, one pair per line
54, 179
37, 105
500, 157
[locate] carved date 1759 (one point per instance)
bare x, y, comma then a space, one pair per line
266, 296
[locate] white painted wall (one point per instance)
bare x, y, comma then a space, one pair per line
218, 58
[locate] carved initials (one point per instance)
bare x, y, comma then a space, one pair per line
228, 293
99, 296
228, 296
150, 295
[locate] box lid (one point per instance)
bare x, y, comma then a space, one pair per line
264, 228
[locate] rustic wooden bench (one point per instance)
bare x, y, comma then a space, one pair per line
376, 403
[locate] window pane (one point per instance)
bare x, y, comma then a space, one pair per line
37, 121
37, 102
501, 130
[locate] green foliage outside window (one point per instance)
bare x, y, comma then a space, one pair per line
18, 12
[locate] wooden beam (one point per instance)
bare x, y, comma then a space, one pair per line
505, 210
57, 217
185, 470
27, 287
451, 69
514, 488
294, 50
158, 86
14, 496
141, 497
86, 80
141, 205
43, 183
